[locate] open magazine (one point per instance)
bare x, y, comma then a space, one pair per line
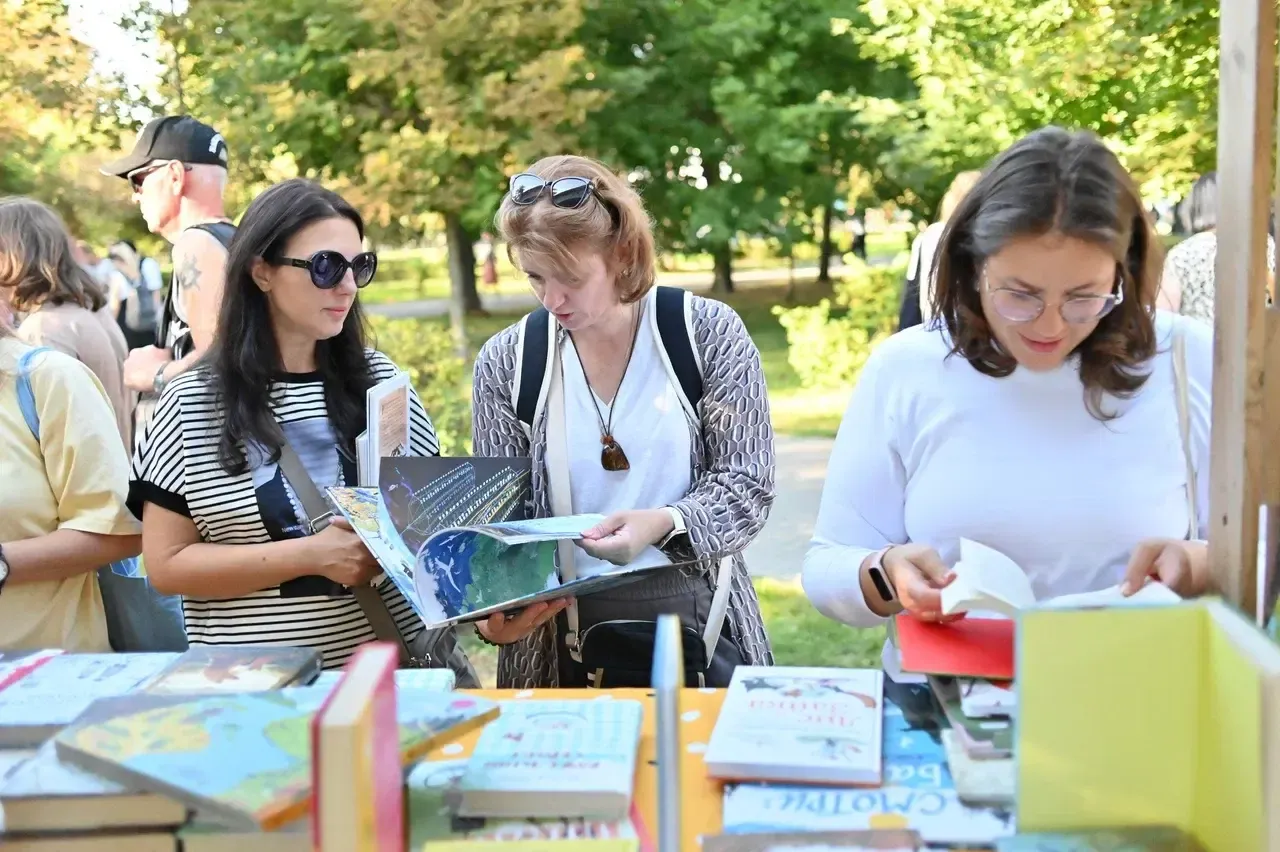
454, 536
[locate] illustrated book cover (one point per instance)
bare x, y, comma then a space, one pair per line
566, 758
46, 699
454, 536
811, 725
238, 668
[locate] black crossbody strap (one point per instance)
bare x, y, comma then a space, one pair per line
318, 516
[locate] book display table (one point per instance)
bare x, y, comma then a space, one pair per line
700, 795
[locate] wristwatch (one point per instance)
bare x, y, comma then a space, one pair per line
880, 577
158, 383
677, 526
4, 568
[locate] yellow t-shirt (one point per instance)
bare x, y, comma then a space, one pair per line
76, 477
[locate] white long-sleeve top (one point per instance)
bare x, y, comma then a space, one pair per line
931, 450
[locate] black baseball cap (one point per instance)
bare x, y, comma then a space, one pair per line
173, 137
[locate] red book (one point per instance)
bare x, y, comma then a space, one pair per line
357, 782
970, 647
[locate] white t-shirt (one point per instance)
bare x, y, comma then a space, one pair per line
650, 426
931, 450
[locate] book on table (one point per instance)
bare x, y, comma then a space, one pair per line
568, 758
806, 724
993, 590
456, 538
357, 802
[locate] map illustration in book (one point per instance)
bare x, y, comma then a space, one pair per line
453, 536
244, 761
816, 725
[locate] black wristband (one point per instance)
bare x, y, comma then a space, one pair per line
485, 639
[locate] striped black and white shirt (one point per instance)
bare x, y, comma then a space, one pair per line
176, 466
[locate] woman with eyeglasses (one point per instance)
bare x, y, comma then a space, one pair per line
643, 404
1038, 415
290, 365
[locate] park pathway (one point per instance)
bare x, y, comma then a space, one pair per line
511, 303
802, 467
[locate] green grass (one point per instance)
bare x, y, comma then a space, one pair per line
801, 636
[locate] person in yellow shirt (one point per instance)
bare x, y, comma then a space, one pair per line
62, 502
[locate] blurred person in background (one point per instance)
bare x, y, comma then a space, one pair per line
177, 172
135, 296
917, 293
59, 304
1187, 285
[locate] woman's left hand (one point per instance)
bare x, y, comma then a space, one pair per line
1179, 564
622, 536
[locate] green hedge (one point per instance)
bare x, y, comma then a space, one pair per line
426, 351
829, 342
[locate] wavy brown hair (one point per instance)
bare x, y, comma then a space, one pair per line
1069, 183
614, 224
36, 260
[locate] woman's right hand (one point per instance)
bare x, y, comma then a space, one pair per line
503, 630
342, 557
918, 575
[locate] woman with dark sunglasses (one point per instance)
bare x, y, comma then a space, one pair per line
678, 479
1048, 411
290, 364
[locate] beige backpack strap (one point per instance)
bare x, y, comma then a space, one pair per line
1184, 424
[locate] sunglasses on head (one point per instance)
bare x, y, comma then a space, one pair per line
568, 193
329, 267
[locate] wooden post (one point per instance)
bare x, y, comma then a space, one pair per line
1244, 469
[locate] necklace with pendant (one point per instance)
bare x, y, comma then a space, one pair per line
612, 457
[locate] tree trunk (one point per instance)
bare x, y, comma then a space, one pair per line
826, 247
463, 297
723, 257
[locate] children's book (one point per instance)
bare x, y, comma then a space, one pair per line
918, 791
433, 795
244, 761
455, 537
15, 665
981, 699
357, 803
978, 782
567, 758
386, 432
238, 668
46, 699
981, 737
811, 725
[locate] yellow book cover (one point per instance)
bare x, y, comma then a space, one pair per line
1141, 716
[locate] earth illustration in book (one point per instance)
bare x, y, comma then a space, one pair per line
509, 573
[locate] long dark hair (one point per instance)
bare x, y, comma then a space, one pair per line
36, 259
1054, 181
245, 357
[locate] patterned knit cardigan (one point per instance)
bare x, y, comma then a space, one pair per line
732, 464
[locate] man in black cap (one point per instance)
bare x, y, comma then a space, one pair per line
178, 172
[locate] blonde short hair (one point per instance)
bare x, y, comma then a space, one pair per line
960, 186
614, 223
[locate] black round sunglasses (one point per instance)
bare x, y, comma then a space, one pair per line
329, 267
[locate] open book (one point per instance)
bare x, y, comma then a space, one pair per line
454, 537
987, 580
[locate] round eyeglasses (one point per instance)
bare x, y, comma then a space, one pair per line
1021, 307
328, 267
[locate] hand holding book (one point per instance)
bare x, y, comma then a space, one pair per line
918, 576
623, 536
505, 628
1181, 565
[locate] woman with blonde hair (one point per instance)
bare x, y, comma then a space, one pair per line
644, 404
917, 295
60, 304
